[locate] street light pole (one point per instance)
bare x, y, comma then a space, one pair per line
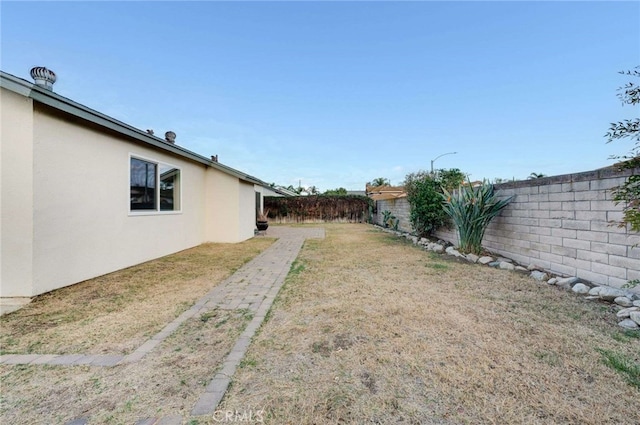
434, 159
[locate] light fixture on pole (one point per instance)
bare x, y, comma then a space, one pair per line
434, 159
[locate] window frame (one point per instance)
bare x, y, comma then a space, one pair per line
158, 164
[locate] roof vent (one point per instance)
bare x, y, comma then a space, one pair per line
170, 137
43, 77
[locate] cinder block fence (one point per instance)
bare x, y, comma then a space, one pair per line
563, 224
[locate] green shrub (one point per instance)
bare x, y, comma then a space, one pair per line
424, 196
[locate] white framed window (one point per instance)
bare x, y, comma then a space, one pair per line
154, 186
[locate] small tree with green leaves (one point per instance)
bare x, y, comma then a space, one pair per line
471, 209
628, 193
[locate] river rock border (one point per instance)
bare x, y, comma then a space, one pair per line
627, 302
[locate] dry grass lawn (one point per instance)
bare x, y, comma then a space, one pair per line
370, 329
367, 329
117, 312
166, 382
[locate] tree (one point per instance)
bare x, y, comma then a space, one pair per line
533, 176
380, 181
341, 191
628, 193
451, 179
298, 190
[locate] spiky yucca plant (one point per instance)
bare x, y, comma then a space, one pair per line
471, 210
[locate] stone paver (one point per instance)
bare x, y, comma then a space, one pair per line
19, 358
107, 360
65, 360
170, 420
44, 359
147, 421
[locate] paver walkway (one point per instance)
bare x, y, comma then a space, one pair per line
254, 287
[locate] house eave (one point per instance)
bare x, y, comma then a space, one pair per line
68, 106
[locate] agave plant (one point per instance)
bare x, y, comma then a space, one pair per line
471, 209
387, 218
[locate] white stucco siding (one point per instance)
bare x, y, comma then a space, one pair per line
16, 188
82, 223
223, 200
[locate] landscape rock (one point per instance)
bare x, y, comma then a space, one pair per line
437, 248
623, 301
567, 281
521, 269
580, 288
485, 260
595, 291
539, 276
626, 312
592, 297
635, 316
472, 257
506, 266
452, 251
503, 259
636, 303
552, 281
629, 324
534, 266
610, 294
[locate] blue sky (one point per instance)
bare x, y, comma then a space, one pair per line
335, 94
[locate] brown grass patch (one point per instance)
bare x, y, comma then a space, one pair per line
117, 312
167, 382
370, 329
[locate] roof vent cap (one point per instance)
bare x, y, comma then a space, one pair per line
43, 77
170, 137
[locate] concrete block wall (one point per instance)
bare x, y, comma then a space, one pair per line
562, 224
398, 207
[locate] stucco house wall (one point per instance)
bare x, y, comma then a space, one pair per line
16, 181
65, 184
81, 214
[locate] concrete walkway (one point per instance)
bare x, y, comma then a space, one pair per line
254, 287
